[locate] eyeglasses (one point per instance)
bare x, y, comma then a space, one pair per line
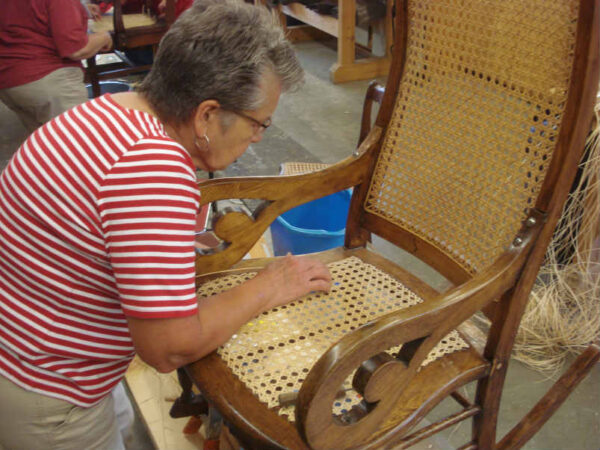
262, 126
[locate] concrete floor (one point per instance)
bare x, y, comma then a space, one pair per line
320, 123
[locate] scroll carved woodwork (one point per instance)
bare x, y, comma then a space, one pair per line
423, 326
239, 232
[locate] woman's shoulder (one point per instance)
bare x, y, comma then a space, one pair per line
140, 133
131, 111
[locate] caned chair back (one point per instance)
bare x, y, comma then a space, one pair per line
476, 121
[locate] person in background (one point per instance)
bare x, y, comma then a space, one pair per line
92, 9
42, 43
155, 7
180, 6
139, 56
98, 212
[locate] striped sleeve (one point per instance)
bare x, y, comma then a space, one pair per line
148, 205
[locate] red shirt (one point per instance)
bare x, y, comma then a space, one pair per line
181, 6
135, 6
97, 212
36, 36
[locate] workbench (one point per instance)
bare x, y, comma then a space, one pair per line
348, 67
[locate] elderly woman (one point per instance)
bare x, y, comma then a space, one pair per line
97, 211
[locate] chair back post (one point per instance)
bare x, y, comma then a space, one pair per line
170, 13
356, 235
578, 113
119, 38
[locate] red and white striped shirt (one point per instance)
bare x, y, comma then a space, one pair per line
97, 217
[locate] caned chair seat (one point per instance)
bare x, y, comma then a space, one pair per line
270, 356
298, 168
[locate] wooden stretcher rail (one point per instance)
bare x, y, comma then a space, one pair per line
298, 11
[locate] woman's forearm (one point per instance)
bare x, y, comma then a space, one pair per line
95, 43
167, 344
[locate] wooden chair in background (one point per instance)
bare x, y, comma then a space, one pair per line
130, 31
467, 167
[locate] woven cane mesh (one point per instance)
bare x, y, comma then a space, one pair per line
298, 168
105, 23
477, 115
273, 353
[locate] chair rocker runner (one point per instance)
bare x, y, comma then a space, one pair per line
467, 166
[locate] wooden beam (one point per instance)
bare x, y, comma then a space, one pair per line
322, 22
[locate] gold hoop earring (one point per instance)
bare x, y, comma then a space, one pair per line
202, 147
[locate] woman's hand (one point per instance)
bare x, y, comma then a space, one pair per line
94, 11
161, 8
291, 277
167, 344
101, 41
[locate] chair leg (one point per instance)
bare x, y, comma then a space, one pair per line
489, 391
92, 71
193, 425
228, 440
189, 403
214, 425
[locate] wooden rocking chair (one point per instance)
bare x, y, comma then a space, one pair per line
467, 167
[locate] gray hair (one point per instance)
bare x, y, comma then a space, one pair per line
220, 50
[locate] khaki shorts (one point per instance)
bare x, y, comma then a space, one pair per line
33, 421
39, 101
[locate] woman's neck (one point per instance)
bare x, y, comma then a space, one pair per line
134, 100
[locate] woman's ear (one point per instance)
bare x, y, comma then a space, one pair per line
206, 113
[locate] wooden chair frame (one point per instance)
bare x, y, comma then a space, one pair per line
124, 39
501, 291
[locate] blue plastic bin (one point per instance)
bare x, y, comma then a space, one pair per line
312, 227
109, 87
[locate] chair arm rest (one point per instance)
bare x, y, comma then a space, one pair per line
375, 93
419, 329
279, 194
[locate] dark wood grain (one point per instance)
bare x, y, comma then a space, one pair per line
241, 232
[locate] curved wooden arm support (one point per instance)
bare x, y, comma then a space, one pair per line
381, 380
374, 93
240, 231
